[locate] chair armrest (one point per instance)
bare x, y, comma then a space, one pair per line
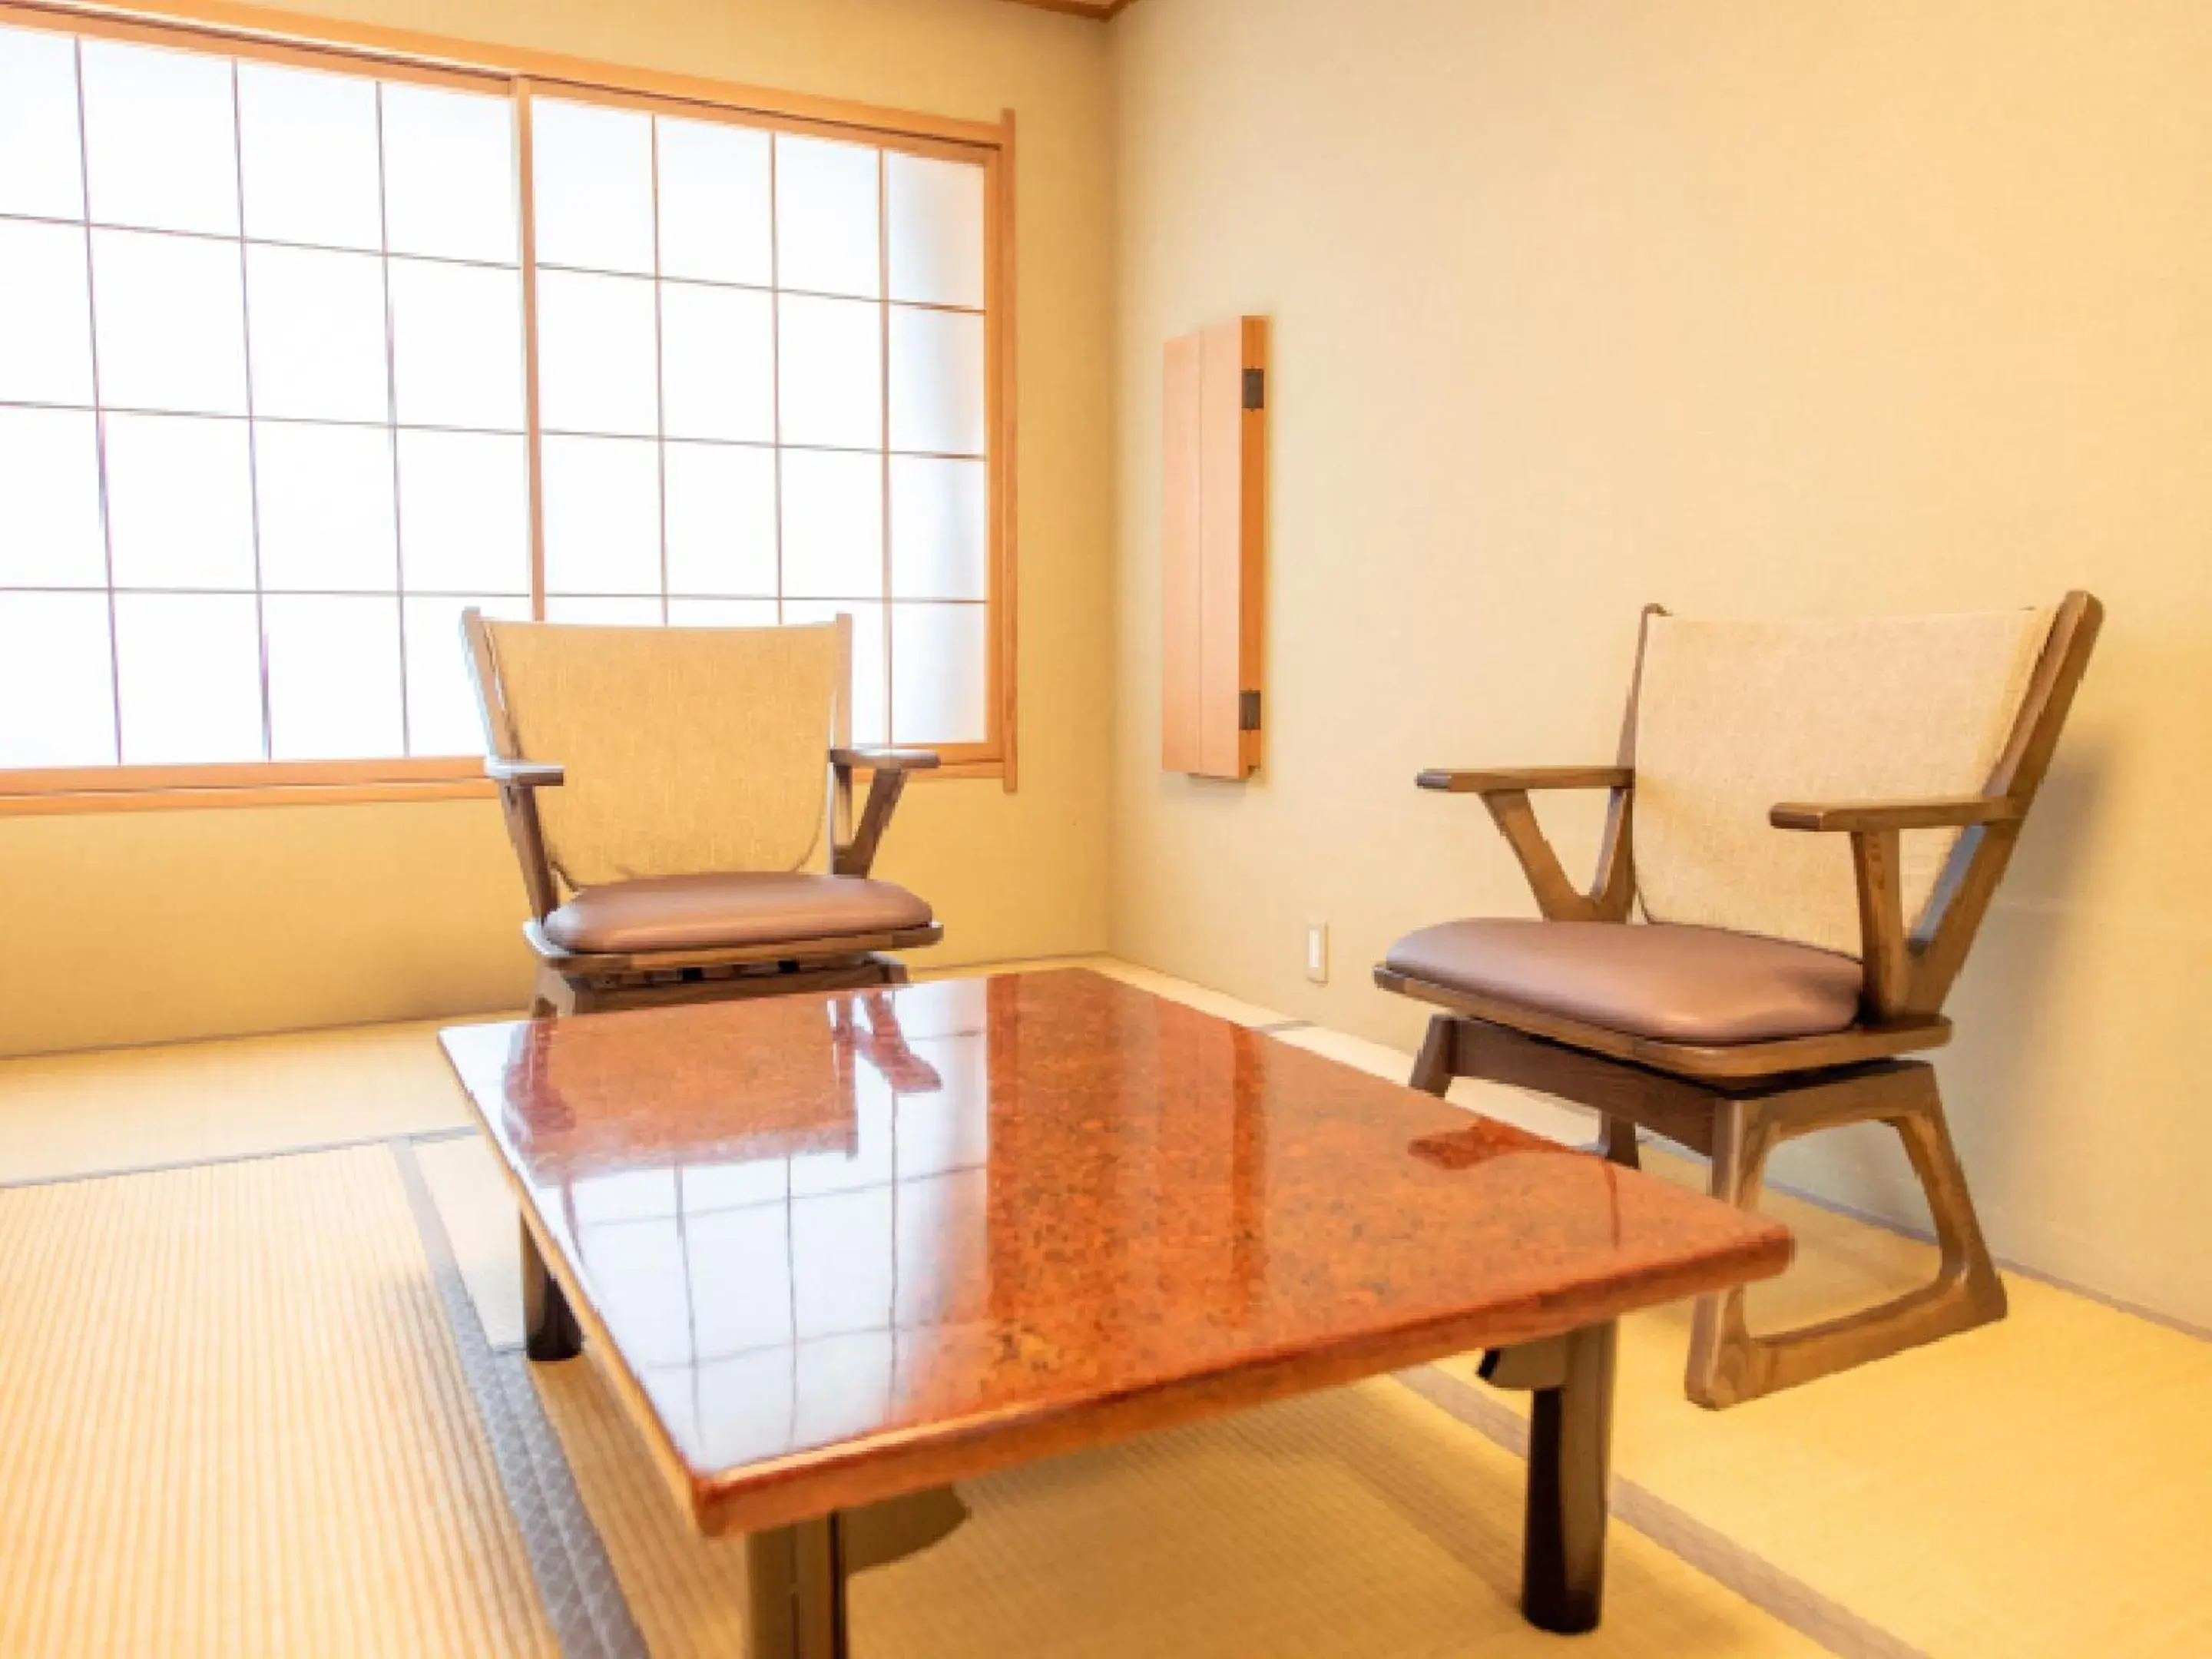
886, 760
1865, 817
1501, 779
525, 774
888, 766
1505, 791
1875, 827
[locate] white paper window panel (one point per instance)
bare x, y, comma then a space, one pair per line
827, 217
41, 172
189, 667
833, 525
937, 1130
49, 528
602, 515
766, 1380
753, 1241
936, 380
830, 371
717, 363
449, 184
723, 613
45, 315
161, 149
940, 528
843, 1384
603, 609
592, 183
595, 353
939, 1216
326, 522
625, 1195
180, 501
334, 690
841, 1247
170, 322
870, 701
636, 1269
308, 157
866, 1162
714, 215
720, 520
935, 212
457, 345
315, 334
57, 695
442, 718
464, 512
940, 686
705, 1186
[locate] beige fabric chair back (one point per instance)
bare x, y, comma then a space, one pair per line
1735, 717
687, 750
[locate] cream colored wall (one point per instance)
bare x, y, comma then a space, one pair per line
145, 926
1743, 308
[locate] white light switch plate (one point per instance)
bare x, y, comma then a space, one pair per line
1317, 952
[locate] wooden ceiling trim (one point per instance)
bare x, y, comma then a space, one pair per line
1100, 9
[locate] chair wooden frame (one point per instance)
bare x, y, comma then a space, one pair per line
572, 982
1736, 1104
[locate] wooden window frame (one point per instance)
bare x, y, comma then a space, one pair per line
273, 36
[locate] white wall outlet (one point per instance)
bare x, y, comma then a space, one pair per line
1317, 952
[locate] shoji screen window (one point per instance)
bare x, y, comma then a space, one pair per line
762, 373
262, 413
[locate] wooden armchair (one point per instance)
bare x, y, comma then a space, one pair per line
1820, 814
676, 799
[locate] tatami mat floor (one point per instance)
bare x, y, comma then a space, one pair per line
64, 1116
246, 1412
234, 1424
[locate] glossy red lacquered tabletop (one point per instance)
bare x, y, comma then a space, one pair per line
841, 1247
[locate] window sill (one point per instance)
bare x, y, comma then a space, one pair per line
180, 797
169, 789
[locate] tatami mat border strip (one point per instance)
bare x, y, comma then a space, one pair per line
576, 1581
1721, 1560
453, 1132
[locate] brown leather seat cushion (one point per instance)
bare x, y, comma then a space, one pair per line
706, 912
1692, 985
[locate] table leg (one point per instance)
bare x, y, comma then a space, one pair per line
548, 1323
795, 1586
1569, 1464
796, 1576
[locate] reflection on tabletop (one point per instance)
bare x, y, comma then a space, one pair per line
809, 1219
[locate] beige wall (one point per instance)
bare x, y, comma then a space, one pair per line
138, 927
1743, 308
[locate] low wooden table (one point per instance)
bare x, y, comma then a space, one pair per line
840, 1249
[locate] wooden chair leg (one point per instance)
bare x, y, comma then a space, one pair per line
1729, 1364
1721, 1349
1437, 1063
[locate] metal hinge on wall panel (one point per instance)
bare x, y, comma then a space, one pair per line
1247, 711
1255, 388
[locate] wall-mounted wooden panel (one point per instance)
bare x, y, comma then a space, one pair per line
1212, 545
